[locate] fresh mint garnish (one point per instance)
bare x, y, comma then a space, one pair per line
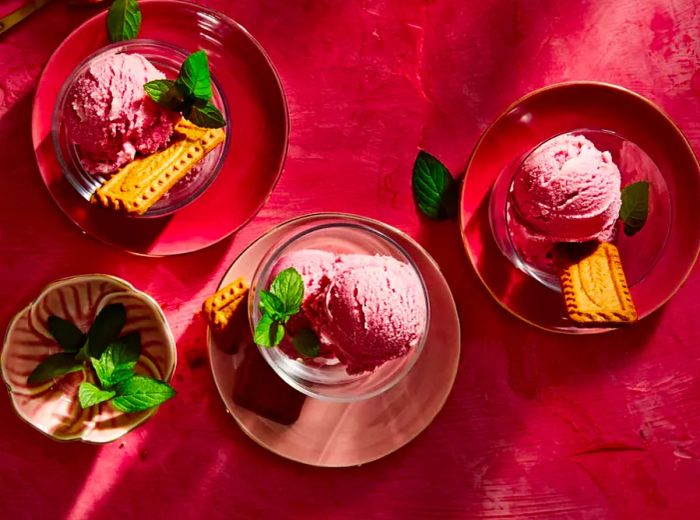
113, 359
205, 116
118, 360
89, 395
288, 286
635, 207
105, 329
269, 332
140, 393
123, 20
306, 342
53, 366
190, 94
166, 94
271, 305
434, 189
277, 305
194, 77
66, 334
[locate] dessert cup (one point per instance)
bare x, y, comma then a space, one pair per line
327, 433
331, 381
52, 407
552, 111
639, 252
168, 59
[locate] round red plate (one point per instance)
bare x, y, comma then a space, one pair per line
561, 108
346, 434
259, 131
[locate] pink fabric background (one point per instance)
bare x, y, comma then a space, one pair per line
537, 425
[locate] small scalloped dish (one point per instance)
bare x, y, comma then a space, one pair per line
53, 407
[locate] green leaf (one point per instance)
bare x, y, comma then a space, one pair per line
268, 332
141, 393
89, 395
271, 305
306, 342
635, 206
117, 362
123, 20
194, 77
105, 329
434, 189
205, 116
288, 286
68, 336
166, 94
54, 366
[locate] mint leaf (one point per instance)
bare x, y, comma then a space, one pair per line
141, 393
89, 395
288, 286
66, 334
194, 77
54, 366
268, 332
105, 329
434, 189
205, 116
272, 305
166, 94
123, 20
635, 206
117, 362
306, 342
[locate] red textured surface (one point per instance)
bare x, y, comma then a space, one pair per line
537, 424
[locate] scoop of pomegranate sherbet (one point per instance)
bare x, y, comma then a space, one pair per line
568, 191
312, 264
111, 118
372, 313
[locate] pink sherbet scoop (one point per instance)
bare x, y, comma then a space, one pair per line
110, 118
371, 313
568, 191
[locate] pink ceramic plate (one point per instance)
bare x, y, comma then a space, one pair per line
349, 434
259, 130
53, 407
554, 110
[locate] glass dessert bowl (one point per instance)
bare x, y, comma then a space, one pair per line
365, 303
529, 243
77, 165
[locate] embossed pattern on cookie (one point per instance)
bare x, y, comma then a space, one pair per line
220, 307
142, 182
595, 288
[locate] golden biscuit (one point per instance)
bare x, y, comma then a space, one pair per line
595, 288
142, 182
220, 307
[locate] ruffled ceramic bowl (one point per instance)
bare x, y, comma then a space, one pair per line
53, 407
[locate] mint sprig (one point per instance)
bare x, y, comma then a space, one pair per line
434, 189
635, 207
277, 305
140, 393
77, 345
190, 93
123, 20
306, 343
112, 357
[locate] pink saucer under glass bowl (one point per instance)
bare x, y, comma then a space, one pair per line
639, 252
644, 143
258, 127
168, 59
328, 379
